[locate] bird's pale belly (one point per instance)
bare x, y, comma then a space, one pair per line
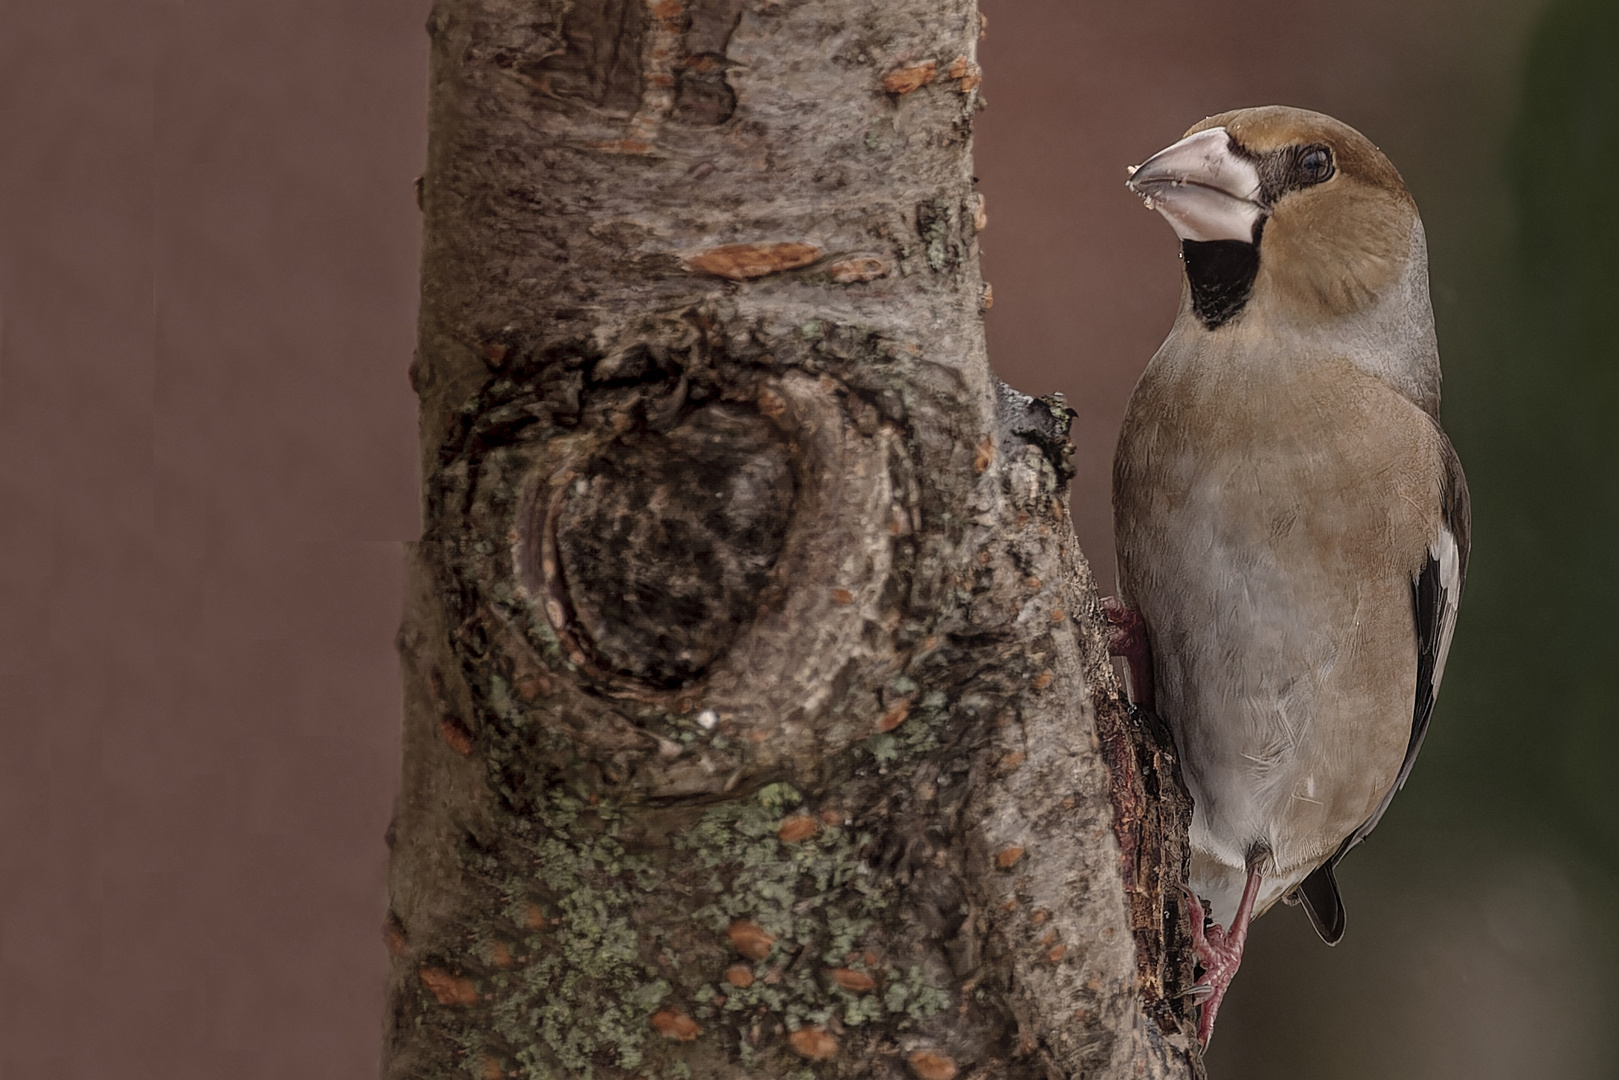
1279, 613
1292, 725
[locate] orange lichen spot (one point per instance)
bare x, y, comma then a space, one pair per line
932, 1065
1050, 938
667, 9
895, 716
1058, 614
495, 353
1043, 680
1010, 905
857, 268
904, 80
534, 917
1008, 857
500, 955
750, 939
672, 1023
798, 828
856, 982
814, 1042
1069, 802
842, 596
1056, 953
1013, 761
832, 817
966, 73
456, 735
393, 935
1039, 915
771, 403
532, 685
740, 262
1032, 582
985, 454
489, 1068
447, 988
739, 976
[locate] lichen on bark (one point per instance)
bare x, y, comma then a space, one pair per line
752, 672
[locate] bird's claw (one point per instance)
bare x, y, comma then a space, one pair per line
1129, 628
1219, 953
1129, 641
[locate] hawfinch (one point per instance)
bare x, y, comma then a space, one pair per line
1291, 521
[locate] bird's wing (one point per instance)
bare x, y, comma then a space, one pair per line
1435, 593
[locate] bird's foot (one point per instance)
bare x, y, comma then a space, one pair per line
1129, 641
1219, 953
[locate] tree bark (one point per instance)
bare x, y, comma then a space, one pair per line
753, 676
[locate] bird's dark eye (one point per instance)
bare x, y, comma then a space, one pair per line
1315, 164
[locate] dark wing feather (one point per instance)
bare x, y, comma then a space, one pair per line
1434, 596
1319, 894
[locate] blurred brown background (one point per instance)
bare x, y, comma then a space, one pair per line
207, 296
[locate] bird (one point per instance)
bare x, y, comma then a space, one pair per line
1291, 522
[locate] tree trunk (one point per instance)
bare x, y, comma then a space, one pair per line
753, 677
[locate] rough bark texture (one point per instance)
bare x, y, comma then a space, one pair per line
749, 656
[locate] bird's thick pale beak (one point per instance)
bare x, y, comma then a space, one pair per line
1204, 189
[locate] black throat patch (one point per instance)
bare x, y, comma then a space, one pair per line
1221, 274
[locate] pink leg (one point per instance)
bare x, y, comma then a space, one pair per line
1129, 640
1219, 951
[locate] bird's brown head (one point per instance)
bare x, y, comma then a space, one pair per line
1284, 208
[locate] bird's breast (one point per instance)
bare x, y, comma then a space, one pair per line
1270, 516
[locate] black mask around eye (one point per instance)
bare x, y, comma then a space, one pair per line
1293, 167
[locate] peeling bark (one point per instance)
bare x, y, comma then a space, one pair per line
753, 675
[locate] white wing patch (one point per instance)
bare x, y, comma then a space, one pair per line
1445, 552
